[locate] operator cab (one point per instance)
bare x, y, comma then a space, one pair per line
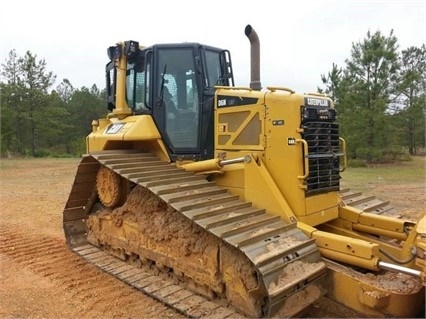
174, 83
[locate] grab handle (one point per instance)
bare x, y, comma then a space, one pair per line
305, 160
345, 160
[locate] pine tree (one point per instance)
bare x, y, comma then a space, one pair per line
370, 81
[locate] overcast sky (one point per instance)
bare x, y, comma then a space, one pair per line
299, 40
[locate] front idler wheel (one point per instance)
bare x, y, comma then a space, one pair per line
111, 187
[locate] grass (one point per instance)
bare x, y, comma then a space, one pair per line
413, 171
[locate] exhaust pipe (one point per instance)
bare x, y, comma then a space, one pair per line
254, 58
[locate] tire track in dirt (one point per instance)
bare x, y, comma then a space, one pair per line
96, 293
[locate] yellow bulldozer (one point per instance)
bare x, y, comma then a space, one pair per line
222, 200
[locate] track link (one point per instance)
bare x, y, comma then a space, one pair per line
173, 295
238, 223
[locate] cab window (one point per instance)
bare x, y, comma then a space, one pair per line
178, 90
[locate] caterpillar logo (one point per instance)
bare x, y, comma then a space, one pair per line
114, 128
316, 102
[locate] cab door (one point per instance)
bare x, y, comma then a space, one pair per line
176, 98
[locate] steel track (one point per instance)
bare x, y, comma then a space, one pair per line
213, 208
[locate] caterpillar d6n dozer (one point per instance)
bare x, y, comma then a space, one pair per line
224, 201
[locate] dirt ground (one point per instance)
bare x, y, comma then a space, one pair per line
41, 278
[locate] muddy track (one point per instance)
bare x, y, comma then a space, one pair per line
154, 285
244, 231
51, 258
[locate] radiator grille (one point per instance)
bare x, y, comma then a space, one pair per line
323, 156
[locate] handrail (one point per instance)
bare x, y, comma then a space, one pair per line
233, 87
306, 159
280, 88
345, 160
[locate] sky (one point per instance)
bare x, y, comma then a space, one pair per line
299, 40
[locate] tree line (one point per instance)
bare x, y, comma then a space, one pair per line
37, 120
379, 95
380, 98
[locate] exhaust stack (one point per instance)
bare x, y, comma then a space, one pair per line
254, 58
